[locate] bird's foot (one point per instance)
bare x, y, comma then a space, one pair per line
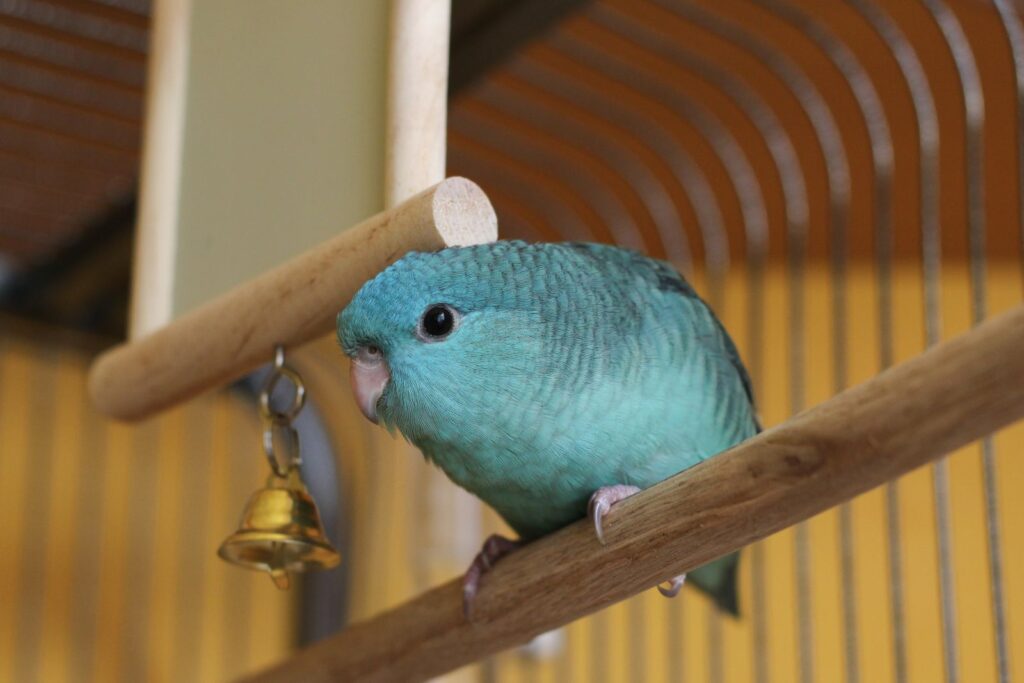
494, 548
675, 585
601, 502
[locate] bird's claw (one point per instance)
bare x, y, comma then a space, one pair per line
601, 502
597, 513
673, 590
494, 548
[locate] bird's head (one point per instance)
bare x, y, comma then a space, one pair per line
437, 336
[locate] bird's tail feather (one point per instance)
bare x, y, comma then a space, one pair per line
718, 580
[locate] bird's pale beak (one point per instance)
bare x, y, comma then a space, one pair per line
370, 376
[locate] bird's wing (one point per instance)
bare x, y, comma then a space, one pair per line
664, 277
695, 389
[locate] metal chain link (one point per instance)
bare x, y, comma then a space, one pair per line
281, 420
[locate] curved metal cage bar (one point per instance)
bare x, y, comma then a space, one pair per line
850, 148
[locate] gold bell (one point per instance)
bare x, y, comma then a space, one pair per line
280, 532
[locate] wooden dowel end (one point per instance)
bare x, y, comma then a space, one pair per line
290, 305
905, 417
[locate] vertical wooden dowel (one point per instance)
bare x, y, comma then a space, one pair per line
447, 519
155, 234
417, 108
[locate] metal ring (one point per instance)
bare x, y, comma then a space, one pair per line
267, 412
294, 458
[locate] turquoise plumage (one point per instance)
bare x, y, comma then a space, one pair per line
536, 374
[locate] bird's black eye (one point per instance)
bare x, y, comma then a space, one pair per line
437, 322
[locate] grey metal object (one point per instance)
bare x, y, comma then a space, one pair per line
637, 637
744, 179
716, 648
582, 133
688, 176
634, 180
613, 216
1015, 37
486, 32
28, 638
928, 132
796, 213
974, 112
726, 149
117, 36
540, 199
755, 174
796, 216
836, 164
677, 633
882, 162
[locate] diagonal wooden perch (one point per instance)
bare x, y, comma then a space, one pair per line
290, 305
905, 417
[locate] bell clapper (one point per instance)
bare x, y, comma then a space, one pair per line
281, 531
279, 576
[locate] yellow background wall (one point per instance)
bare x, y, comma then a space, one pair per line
109, 532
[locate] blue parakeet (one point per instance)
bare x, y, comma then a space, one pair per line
544, 378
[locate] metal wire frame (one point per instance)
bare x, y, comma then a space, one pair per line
541, 200
793, 187
1011, 21
655, 132
632, 162
70, 55
783, 154
882, 163
522, 214
712, 230
880, 138
837, 170
1015, 38
70, 90
609, 217
727, 152
927, 125
686, 173
28, 635
775, 137
943, 510
104, 35
575, 214
689, 181
974, 114
64, 88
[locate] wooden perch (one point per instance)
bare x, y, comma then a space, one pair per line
903, 418
292, 304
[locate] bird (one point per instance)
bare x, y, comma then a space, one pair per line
551, 380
